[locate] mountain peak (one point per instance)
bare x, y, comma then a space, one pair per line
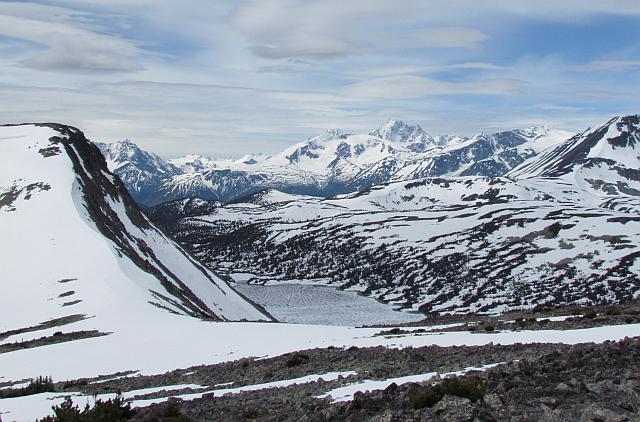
331, 134
191, 163
127, 142
399, 131
123, 145
135, 165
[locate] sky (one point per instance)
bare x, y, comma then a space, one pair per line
228, 78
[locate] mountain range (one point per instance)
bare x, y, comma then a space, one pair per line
331, 163
562, 227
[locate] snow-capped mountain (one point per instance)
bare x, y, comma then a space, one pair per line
192, 163
336, 162
414, 137
547, 233
142, 172
78, 250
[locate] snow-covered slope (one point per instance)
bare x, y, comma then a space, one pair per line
604, 161
75, 245
453, 244
337, 162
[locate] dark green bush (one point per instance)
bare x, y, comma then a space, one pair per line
297, 359
489, 328
590, 315
472, 388
112, 410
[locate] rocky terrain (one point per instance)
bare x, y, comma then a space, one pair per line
541, 382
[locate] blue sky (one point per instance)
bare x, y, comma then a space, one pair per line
226, 78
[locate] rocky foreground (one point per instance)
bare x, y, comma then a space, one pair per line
492, 382
536, 382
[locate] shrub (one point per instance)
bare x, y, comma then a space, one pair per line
297, 359
424, 397
112, 410
590, 315
471, 387
489, 328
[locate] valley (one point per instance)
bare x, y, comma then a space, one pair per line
560, 229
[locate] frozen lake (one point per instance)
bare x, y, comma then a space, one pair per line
304, 304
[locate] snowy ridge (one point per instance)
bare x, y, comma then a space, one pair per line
97, 255
604, 161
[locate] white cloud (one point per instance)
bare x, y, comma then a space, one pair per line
606, 65
68, 47
277, 29
451, 37
476, 65
408, 86
232, 77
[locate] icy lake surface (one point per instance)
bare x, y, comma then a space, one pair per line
304, 304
